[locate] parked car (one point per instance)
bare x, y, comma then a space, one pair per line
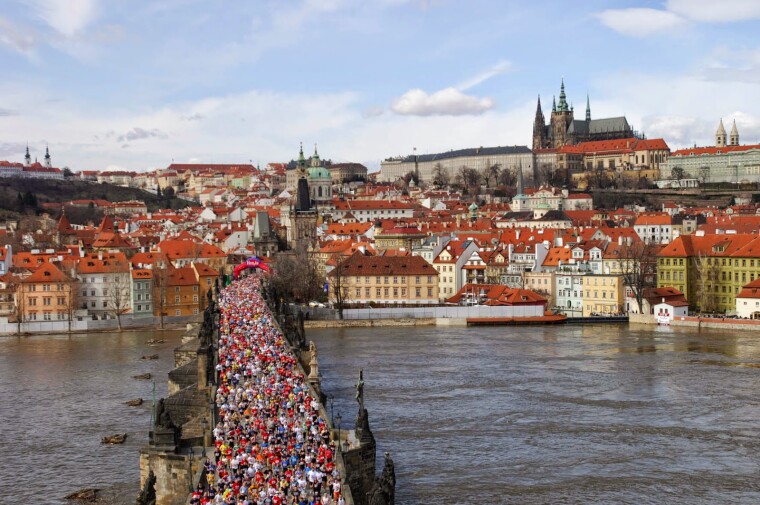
314, 303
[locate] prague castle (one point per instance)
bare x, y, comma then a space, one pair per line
563, 129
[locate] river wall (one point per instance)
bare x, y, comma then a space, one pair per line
700, 322
88, 325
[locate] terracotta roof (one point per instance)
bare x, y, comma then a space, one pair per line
47, 272
699, 151
358, 264
499, 295
751, 290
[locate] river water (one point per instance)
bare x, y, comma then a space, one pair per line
59, 395
596, 414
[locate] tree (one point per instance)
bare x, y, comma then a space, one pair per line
67, 173
72, 301
507, 177
160, 282
119, 300
638, 265
295, 274
440, 176
491, 173
339, 286
469, 178
704, 277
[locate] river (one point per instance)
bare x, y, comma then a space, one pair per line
595, 414
59, 394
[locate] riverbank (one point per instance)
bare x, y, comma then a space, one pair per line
700, 322
369, 323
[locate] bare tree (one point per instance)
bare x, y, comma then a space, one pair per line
638, 265
119, 300
704, 276
469, 178
440, 176
507, 177
296, 275
72, 301
339, 286
160, 282
491, 173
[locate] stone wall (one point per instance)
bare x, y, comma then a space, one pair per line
172, 473
367, 323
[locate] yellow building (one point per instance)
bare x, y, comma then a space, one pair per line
385, 280
603, 294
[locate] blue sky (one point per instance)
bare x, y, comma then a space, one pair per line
135, 85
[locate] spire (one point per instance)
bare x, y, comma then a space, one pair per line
47, 157
27, 157
720, 135
554, 104
588, 108
562, 97
734, 137
301, 159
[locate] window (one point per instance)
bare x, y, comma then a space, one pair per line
46, 316
84, 292
366, 292
105, 305
61, 300
430, 291
195, 298
33, 301
195, 289
430, 278
139, 296
33, 287
139, 308
46, 287
92, 304
403, 292
177, 312
395, 292
395, 280
92, 292
176, 299
105, 291
377, 292
147, 296
386, 280
176, 290
403, 279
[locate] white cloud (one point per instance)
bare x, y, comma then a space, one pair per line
446, 102
138, 133
18, 38
711, 11
67, 17
640, 22
499, 68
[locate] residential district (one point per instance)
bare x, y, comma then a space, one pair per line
546, 225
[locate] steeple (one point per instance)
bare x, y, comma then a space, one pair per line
588, 109
734, 137
28, 157
301, 159
562, 97
720, 135
554, 104
315, 158
47, 157
539, 127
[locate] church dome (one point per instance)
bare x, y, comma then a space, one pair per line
316, 173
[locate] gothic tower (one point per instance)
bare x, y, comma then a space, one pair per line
588, 109
27, 158
48, 163
539, 128
720, 135
733, 139
561, 119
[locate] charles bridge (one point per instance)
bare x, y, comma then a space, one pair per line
181, 438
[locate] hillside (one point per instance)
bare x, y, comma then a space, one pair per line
34, 192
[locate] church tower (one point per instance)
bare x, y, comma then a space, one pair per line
588, 109
27, 158
733, 139
48, 163
720, 135
539, 128
561, 119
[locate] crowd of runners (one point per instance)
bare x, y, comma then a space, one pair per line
272, 446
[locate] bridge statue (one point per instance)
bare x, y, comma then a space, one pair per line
360, 390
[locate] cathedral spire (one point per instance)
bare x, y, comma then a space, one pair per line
588, 108
562, 97
301, 159
733, 139
554, 104
720, 135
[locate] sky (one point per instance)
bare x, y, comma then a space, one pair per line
136, 85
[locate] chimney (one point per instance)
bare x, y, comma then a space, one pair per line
100, 255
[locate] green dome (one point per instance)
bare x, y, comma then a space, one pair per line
473, 206
318, 173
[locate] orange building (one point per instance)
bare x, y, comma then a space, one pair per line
47, 295
177, 292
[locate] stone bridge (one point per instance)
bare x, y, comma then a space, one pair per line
181, 439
